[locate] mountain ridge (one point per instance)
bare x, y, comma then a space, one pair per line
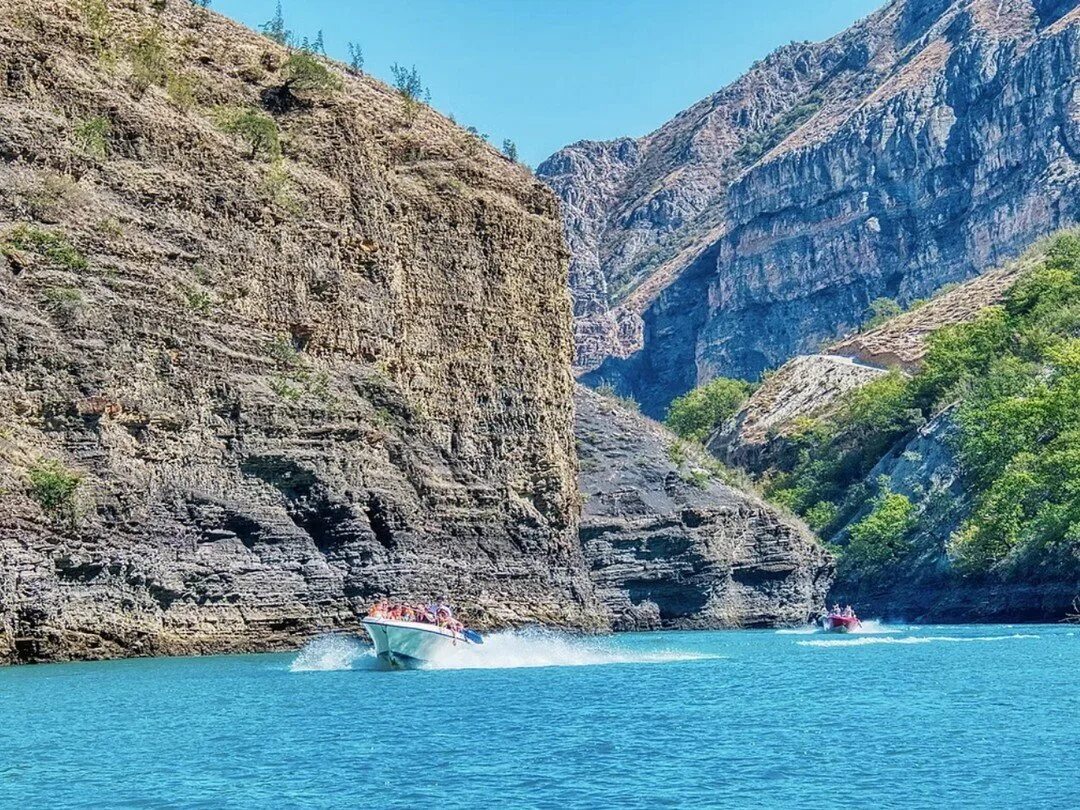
925, 113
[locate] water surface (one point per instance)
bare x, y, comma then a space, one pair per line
976, 716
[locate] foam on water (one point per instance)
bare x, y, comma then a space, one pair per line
870, 627
506, 650
333, 652
862, 642
513, 649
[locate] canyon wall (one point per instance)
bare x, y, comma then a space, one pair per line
270, 350
930, 141
671, 544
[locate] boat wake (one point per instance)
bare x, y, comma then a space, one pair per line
866, 640
509, 649
876, 628
512, 649
334, 652
867, 628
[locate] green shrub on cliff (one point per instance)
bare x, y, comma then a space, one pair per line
411, 90
92, 135
53, 486
306, 73
95, 15
356, 59
149, 59
275, 29
757, 144
51, 246
883, 537
697, 413
258, 129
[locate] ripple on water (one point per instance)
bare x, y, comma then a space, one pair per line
869, 640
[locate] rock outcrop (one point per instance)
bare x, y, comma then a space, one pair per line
925, 144
901, 341
671, 545
926, 470
803, 387
921, 463
296, 347
808, 385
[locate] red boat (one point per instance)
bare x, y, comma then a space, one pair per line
836, 623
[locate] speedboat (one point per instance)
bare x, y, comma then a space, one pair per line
837, 623
407, 645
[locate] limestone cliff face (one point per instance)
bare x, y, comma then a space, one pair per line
670, 545
288, 385
927, 143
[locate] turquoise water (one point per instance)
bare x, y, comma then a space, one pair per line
985, 716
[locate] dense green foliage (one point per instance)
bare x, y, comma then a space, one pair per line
695, 414
883, 537
53, 486
1013, 375
306, 73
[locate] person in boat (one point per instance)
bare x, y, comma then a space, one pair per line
849, 613
835, 609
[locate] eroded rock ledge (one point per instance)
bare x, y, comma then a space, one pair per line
670, 545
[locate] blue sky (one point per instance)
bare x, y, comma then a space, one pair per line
546, 73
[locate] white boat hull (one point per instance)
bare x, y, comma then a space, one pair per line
407, 645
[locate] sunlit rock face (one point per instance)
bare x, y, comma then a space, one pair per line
289, 387
926, 143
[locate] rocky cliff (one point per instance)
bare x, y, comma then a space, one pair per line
808, 385
277, 342
670, 544
923, 145
274, 343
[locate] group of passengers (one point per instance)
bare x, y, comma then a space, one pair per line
847, 613
437, 613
